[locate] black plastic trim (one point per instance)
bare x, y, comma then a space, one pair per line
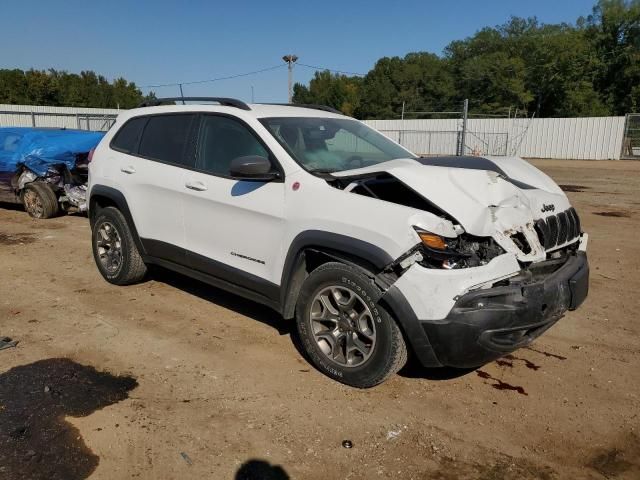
233, 275
472, 163
464, 162
411, 326
312, 106
165, 251
331, 243
212, 272
215, 282
485, 324
226, 101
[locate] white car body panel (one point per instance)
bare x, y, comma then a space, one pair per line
422, 285
154, 191
237, 223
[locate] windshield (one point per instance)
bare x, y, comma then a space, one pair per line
325, 145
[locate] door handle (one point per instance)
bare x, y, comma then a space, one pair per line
128, 169
197, 186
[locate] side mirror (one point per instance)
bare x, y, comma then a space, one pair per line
252, 167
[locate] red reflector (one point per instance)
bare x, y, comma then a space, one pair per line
90, 156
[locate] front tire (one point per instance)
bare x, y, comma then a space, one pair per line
114, 249
345, 333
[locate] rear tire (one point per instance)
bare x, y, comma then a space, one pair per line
343, 329
40, 201
114, 249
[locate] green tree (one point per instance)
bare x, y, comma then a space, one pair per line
13, 87
60, 88
614, 30
341, 92
591, 68
421, 80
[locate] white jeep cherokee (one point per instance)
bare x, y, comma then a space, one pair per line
368, 246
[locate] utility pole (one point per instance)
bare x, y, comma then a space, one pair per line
290, 60
465, 115
400, 136
181, 94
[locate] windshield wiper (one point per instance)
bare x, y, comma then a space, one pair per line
323, 170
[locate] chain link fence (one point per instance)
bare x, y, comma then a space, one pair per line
447, 142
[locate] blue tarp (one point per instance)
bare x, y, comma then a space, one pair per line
39, 148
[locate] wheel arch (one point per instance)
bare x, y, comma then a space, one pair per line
102, 196
313, 248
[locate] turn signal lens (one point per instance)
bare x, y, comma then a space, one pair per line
432, 240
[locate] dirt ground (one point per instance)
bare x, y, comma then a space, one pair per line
222, 390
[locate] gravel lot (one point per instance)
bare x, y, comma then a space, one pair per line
220, 382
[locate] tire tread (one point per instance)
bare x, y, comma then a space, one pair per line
50, 205
398, 348
134, 269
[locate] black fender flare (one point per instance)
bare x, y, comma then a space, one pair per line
373, 260
118, 199
339, 246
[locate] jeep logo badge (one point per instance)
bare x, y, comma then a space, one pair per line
548, 208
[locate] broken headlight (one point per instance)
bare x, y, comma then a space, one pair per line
463, 251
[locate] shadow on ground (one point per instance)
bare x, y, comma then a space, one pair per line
11, 206
35, 440
225, 299
413, 369
260, 470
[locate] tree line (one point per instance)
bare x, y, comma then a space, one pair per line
590, 68
60, 88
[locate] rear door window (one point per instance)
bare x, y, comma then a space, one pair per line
126, 140
165, 138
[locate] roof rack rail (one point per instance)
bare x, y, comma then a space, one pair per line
227, 102
308, 105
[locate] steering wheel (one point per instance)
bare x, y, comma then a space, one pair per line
353, 159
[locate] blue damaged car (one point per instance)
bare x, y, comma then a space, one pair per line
45, 169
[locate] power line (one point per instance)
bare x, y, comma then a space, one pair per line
246, 74
229, 77
315, 67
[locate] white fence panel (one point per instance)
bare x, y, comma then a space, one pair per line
56, 117
590, 138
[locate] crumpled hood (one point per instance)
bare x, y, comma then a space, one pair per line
496, 202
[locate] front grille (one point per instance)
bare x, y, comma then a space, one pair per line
558, 229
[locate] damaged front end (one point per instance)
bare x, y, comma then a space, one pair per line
464, 251
514, 264
490, 213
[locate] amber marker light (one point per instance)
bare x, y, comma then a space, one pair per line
432, 240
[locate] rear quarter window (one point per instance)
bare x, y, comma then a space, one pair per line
128, 137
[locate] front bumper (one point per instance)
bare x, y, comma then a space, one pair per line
486, 324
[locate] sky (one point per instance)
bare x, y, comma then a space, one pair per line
159, 42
